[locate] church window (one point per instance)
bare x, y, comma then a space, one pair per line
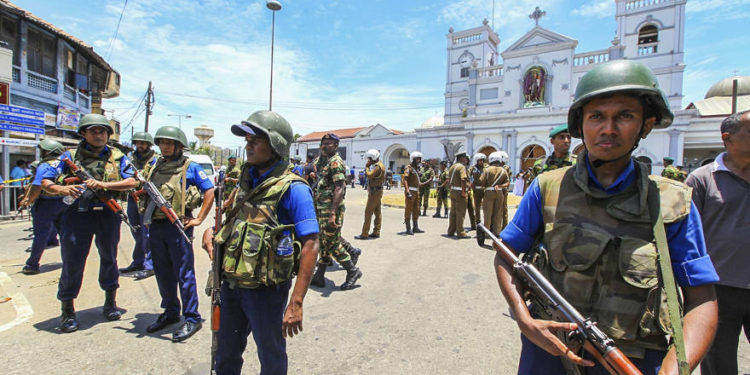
648, 37
464, 72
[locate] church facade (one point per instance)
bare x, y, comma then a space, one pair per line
509, 100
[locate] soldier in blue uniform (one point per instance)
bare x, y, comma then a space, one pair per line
253, 300
81, 222
141, 267
182, 183
46, 209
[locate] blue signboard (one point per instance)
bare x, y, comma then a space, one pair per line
21, 119
21, 128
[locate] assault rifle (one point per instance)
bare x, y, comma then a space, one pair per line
89, 194
157, 201
215, 276
543, 294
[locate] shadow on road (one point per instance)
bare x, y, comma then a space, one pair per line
86, 319
143, 320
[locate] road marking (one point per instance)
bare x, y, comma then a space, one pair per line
23, 308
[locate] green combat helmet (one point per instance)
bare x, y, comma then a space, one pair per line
143, 137
619, 77
51, 147
93, 119
275, 127
171, 132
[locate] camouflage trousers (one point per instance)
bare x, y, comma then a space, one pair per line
330, 237
424, 194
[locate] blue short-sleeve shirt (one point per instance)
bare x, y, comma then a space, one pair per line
196, 176
690, 262
296, 205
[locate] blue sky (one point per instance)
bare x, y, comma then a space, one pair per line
340, 63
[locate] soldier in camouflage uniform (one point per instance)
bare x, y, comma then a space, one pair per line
561, 157
329, 200
232, 176
671, 172
619, 242
442, 190
426, 175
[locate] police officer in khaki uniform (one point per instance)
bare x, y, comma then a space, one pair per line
458, 180
411, 192
477, 191
375, 172
504, 163
493, 180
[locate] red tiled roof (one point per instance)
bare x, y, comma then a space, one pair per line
341, 133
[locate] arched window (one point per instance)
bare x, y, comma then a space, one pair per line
648, 37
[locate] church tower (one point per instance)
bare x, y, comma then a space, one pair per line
467, 51
653, 32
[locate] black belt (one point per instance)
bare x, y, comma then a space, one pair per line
373, 188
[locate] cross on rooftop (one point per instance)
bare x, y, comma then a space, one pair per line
537, 14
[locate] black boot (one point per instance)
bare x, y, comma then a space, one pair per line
352, 275
437, 212
68, 322
318, 278
416, 228
354, 253
424, 212
408, 227
110, 310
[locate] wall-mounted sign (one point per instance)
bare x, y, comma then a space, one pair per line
21, 119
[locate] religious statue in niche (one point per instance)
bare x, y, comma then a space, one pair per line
533, 87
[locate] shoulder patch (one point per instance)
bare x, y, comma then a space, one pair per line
202, 174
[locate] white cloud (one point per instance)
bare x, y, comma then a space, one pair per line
598, 8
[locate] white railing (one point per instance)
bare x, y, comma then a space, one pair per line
490, 71
466, 39
591, 58
647, 49
42, 82
635, 4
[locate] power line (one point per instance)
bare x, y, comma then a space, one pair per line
117, 30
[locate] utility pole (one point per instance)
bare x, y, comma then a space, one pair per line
149, 103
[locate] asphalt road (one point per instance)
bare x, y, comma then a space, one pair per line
427, 305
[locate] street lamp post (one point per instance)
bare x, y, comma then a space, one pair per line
179, 118
273, 5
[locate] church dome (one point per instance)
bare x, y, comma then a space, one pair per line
724, 87
433, 122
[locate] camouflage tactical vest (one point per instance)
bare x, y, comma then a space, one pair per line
251, 233
169, 176
551, 163
105, 167
602, 254
54, 162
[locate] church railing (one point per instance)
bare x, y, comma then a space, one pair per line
591, 58
490, 71
647, 49
635, 4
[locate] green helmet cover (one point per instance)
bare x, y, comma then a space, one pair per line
619, 77
51, 146
233, 156
171, 132
558, 129
93, 119
277, 128
143, 137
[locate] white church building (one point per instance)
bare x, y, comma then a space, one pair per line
510, 100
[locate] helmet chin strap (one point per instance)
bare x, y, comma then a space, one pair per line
598, 163
268, 163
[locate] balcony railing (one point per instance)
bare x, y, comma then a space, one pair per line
69, 93
647, 49
635, 4
467, 39
490, 71
42, 82
83, 100
591, 58
16, 74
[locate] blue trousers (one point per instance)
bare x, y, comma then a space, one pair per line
536, 361
174, 265
46, 215
141, 251
260, 311
78, 230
